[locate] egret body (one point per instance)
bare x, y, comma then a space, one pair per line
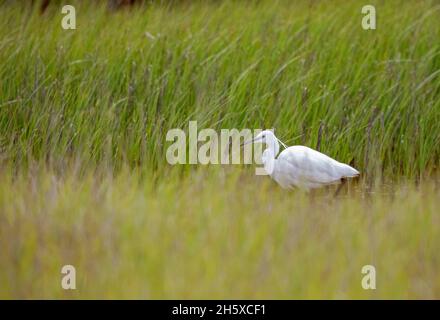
300, 166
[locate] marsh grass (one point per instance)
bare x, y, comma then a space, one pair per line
84, 180
214, 235
109, 91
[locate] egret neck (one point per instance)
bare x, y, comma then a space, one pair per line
269, 155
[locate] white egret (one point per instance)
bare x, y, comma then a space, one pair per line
300, 166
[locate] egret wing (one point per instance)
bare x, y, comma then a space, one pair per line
306, 166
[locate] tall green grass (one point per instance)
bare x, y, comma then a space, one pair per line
107, 92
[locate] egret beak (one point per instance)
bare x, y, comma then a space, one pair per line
246, 142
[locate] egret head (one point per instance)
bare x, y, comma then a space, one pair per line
265, 136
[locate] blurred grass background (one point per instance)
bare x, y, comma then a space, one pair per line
84, 180
214, 236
